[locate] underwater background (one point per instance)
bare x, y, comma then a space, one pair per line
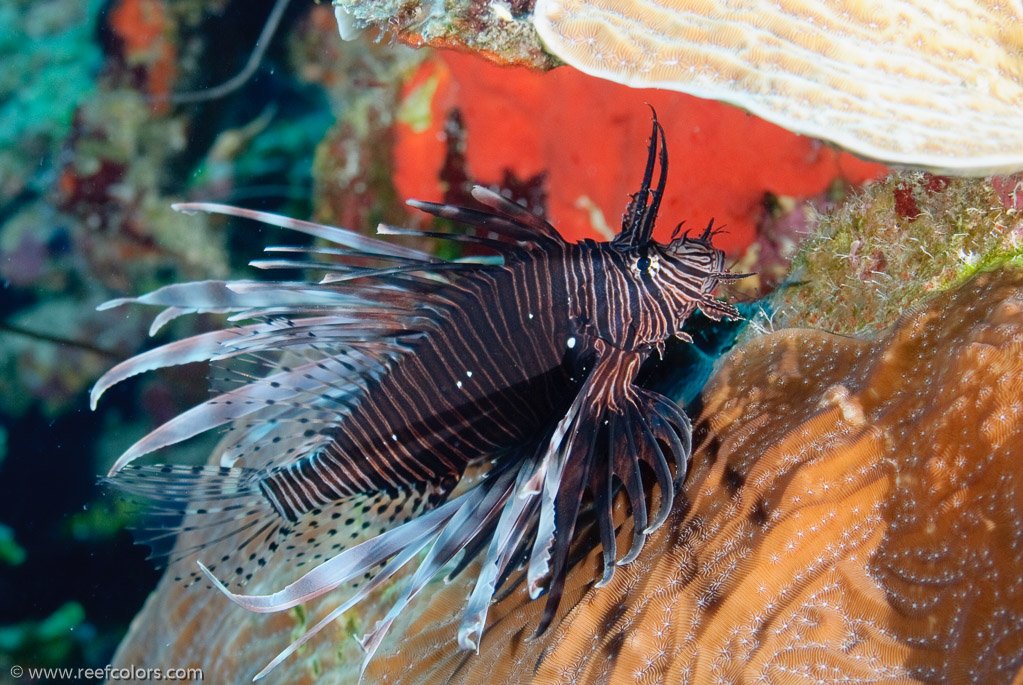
111, 110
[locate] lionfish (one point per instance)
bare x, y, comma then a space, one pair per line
398, 373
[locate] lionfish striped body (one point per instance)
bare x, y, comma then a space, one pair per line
398, 372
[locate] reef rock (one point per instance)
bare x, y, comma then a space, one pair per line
893, 244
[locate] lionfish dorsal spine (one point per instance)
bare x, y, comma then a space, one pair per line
641, 212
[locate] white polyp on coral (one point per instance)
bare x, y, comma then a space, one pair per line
347, 25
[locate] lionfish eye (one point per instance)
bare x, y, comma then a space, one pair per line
643, 264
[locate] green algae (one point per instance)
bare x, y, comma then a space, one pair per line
301, 623
50, 55
42, 643
11, 553
895, 244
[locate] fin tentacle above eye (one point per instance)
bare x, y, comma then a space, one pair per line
641, 212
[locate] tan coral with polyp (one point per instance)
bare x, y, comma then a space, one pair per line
936, 84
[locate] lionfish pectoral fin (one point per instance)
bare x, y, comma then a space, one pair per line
647, 427
475, 514
650, 422
574, 461
513, 526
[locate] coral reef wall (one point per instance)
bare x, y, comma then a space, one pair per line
110, 111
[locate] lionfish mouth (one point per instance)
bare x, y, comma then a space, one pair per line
363, 398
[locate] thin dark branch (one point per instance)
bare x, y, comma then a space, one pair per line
58, 340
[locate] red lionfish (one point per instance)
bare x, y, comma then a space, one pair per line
398, 371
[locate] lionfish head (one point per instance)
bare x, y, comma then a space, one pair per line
696, 259
686, 270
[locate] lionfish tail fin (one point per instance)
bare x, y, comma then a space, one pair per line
189, 509
227, 519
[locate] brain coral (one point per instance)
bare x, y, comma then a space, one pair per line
854, 512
